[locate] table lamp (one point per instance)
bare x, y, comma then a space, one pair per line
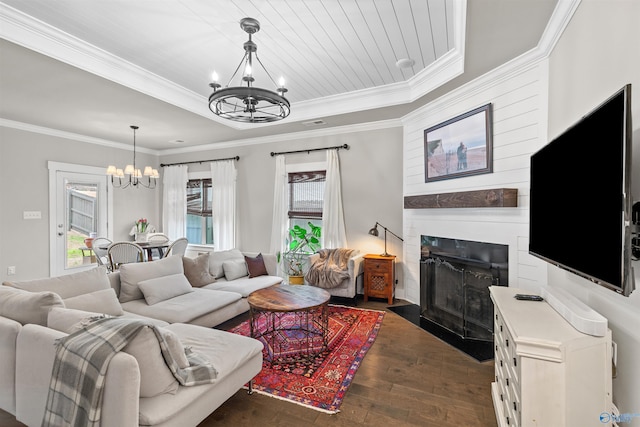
374, 232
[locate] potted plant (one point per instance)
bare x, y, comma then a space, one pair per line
300, 244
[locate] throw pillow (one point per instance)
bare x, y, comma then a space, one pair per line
104, 301
216, 259
234, 269
68, 320
69, 285
256, 266
27, 307
197, 270
164, 288
134, 273
155, 376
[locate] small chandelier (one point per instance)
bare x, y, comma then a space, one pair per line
132, 176
246, 103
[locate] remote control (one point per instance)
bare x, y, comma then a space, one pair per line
526, 297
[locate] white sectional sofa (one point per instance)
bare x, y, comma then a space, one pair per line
33, 314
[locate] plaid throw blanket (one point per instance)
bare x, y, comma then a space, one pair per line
330, 269
82, 358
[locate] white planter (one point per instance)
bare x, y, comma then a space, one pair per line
142, 237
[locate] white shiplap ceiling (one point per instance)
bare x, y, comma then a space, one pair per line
95, 67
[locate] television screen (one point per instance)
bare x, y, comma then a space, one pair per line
579, 209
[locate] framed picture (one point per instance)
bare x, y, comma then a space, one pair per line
459, 147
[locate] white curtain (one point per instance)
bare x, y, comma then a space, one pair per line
334, 234
174, 201
223, 201
280, 202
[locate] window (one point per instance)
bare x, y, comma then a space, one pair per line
199, 211
306, 195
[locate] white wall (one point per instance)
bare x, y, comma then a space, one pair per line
24, 186
371, 182
371, 188
518, 98
598, 54
595, 56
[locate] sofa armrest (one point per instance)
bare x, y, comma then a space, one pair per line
9, 330
356, 267
35, 355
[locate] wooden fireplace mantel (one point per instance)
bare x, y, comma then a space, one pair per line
492, 198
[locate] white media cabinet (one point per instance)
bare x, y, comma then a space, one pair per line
547, 373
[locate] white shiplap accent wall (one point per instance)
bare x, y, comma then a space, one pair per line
519, 99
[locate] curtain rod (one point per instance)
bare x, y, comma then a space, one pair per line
199, 161
337, 147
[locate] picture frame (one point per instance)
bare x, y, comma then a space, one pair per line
461, 146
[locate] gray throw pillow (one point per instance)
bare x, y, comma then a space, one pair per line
197, 270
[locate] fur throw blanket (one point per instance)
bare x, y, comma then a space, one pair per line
330, 269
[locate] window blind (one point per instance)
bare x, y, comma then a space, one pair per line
306, 193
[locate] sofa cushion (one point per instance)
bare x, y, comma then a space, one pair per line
244, 286
134, 273
234, 269
216, 259
103, 301
164, 288
183, 308
256, 266
197, 270
70, 285
27, 307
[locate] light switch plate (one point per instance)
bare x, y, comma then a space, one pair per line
31, 215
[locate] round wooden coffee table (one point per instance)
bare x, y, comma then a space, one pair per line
291, 320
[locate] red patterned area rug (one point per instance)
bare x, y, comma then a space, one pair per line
321, 382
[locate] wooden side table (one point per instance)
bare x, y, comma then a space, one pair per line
379, 276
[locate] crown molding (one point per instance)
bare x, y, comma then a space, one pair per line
12, 124
338, 130
558, 22
36, 35
315, 133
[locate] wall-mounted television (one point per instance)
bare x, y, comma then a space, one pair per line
580, 197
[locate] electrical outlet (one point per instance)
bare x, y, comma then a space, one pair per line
11, 270
31, 215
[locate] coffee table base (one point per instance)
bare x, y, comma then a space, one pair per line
291, 335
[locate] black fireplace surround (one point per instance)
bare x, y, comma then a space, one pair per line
455, 276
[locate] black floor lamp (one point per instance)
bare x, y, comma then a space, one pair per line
374, 232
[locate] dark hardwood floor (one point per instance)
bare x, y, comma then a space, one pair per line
408, 378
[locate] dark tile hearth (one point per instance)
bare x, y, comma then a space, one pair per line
479, 350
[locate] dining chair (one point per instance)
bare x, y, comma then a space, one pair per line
124, 253
158, 238
102, 258
178, 247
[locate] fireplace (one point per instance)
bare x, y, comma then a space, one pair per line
455, 276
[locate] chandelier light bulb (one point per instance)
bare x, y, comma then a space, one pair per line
128, 170
119, 173
214, 77
111, 170
247, 70
281, 81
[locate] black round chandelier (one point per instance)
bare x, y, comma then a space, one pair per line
246, 103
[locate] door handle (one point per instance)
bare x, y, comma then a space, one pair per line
60, 233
